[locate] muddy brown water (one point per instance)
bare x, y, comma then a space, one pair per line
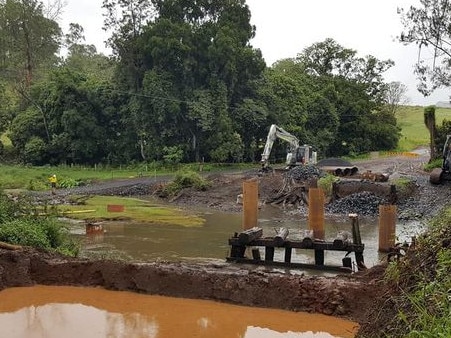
44, 311
153, 242
82, 312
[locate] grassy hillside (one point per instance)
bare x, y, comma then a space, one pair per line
414, 132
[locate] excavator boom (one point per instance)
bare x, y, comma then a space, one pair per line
296, 155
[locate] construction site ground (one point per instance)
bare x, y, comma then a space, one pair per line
347, 296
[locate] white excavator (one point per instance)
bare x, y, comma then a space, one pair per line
296, 154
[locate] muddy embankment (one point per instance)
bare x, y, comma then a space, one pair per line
341, 296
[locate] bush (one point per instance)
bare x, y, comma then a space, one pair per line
437, 163
36, 185
69, 183
8, 208
23, 232
188, 179
325, 183
34, 151
46, 233
405, 187
20, 226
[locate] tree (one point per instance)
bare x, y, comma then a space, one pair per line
395, 95
29, 39
126, 19
84, 58
189, 66
77, 119
345, 100
428, 26
429, 121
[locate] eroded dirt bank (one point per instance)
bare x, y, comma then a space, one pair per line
342, 296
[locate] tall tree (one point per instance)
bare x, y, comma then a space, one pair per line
126, 19
355, 90
395, 95
27, 37
428, 26
201, 50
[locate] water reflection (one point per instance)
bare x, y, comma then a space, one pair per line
151, 242
50, 312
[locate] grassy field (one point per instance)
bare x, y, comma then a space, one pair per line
414, 132
36, 178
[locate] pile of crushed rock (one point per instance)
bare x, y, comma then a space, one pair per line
304, 173
363, 203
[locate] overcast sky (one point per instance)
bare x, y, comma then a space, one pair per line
286, 27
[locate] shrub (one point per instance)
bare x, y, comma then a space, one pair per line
20, 226
437, 163
24, 232
36, 185
8, 208
187, 179
325, 183
46, 233
69, 183
405, 187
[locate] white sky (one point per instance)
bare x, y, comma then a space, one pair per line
286, 27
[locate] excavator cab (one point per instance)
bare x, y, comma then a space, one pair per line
300, 156
305, 155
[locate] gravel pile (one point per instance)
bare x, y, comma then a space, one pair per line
363, 203
304, 172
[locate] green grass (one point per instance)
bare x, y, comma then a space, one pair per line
36, 178
413, 131
95, 208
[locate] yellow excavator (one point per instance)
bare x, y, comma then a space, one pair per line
438, 175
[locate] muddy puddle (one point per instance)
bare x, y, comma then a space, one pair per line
44, 311
153, 242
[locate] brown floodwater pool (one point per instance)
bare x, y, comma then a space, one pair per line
55, 312
150, 242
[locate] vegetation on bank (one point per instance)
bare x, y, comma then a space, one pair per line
417, 300
21, 224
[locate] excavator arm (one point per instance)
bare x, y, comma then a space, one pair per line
276, 132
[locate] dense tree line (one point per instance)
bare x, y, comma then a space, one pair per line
183, 84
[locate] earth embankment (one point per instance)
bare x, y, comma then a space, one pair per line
341, 296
